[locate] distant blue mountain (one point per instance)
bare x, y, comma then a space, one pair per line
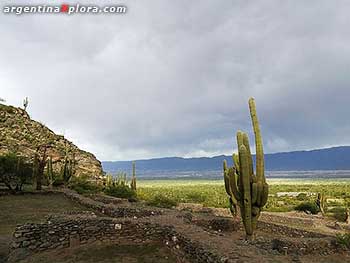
336, 158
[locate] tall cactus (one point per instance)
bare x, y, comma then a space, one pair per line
245, 189
133, 179
321, 202
25, 103
50, 172
68, 168
109, 180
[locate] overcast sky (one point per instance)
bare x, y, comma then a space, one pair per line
172, 78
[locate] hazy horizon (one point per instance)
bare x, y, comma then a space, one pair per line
229, 154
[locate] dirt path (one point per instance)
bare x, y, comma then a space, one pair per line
108, 253
232, 245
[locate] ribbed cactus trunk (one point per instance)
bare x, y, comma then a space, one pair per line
245, 189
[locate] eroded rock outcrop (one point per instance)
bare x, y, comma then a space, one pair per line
19, 133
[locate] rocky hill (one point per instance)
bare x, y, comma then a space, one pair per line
23, 135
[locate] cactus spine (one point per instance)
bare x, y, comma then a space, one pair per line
133, 179
245, 189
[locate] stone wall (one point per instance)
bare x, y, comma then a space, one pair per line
285, 219
324, 246
288, 231
67, 231
108, 199
110, 209
74, 230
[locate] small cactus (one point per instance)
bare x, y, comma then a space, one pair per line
133, 179
50, 172
321, 202
68, 168
25, 103
245, 189
109, 180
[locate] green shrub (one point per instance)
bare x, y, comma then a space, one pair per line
15, 171
339, 213
58, 182
344, 239
196, 197
302, 197
160, 200
308, 207
82, 185
120, 191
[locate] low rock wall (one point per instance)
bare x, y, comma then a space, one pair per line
296, 221
110, 209
71, 231
288, 231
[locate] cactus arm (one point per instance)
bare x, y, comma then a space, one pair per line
254, 193
224, 165
233, 183
264, 195
236, 162
232, 198
250, 159
233, 206
239, 139
226, 179
258, 142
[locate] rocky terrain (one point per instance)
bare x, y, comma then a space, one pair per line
19, 133
190, 236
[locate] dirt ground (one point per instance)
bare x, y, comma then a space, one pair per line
108, 253
20, 209
202, 227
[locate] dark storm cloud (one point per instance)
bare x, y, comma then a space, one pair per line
173, 78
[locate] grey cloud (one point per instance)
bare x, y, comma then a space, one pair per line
173, 78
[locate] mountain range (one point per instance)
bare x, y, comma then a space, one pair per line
335, 158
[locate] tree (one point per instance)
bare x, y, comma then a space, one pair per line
8, 170
2, 100
40, 160
15, 171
